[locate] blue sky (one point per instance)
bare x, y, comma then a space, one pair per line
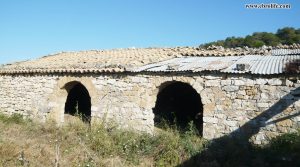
34, 28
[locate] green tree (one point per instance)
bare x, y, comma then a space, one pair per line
234, 42
270, 39
254, 41
286, 35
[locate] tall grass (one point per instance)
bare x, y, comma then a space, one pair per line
14, 118
26, 143
77, 143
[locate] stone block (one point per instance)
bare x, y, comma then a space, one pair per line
297, 119
261, 81
226, 103
139, 79
206, 99
263, 105
208, 131
282, 129
198, 86
251, 91
239, 96
275, 82
242, 92
249, 82
231, 123
212, 77
210, 120
285, 123
265, 96
111, 81
233, 128
260, 137
225, 82
239, 82
221, 116
209, 109
218, 93
288, 83
297, 105
230, 88
212, 83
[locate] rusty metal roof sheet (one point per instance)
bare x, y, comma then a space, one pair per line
254, 64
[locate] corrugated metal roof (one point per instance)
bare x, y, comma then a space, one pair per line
254, 64
128, 60
105, 59
285, 51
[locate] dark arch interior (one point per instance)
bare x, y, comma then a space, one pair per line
78, 102
178, 104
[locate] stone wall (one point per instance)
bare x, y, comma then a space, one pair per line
230, 102
26, 95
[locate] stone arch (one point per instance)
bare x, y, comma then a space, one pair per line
78, 101
178, 103
59, 96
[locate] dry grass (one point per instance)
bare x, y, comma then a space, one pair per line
26, 143
31, 144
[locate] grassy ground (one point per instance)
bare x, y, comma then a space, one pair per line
26, 143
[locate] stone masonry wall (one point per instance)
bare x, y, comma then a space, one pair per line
26, 95
229, 101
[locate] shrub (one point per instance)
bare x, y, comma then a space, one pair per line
77, 143
14, 118
283, 150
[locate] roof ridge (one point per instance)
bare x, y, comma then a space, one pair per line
136, 57
261, 50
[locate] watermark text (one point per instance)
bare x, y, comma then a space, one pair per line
268, 6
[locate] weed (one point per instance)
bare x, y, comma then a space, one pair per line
13, 119
26, 142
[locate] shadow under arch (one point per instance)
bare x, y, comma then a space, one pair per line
178, 103
78, 102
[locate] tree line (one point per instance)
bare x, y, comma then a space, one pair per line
286, 35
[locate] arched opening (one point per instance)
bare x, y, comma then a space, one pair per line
178, 104
78, 101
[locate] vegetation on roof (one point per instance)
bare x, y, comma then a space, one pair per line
285, 36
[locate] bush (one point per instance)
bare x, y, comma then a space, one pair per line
167, 148
77, 143
283, 150
286, 35
13, 119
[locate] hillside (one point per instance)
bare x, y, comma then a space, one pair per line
285, 36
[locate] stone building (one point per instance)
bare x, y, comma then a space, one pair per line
246, 91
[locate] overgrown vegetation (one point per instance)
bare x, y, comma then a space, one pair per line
13, 119
230, 151
26, 143
287, 35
